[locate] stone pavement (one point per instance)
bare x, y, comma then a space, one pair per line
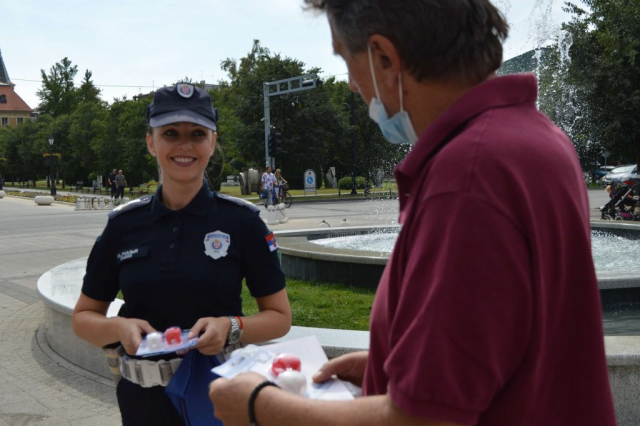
35, 389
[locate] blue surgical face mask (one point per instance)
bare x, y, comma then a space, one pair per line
397, 129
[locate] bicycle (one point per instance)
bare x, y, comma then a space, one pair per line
283, 196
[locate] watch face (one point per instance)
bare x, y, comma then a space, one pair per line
235, 335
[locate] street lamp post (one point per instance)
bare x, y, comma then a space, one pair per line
51, 174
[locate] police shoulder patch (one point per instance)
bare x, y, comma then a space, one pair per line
131, 205
238, 201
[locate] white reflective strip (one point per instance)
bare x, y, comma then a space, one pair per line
150, 372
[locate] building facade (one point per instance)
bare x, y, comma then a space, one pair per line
13, 110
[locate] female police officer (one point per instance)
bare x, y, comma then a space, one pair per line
179, 258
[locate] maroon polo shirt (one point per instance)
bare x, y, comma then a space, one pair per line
488, 312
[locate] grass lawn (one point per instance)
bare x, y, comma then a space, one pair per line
323, 305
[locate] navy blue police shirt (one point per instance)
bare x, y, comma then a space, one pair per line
175, 267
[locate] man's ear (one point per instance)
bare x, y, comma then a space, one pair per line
386, 60
150, 146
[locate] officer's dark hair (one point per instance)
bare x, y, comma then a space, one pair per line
436, 39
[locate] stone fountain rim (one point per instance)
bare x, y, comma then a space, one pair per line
296, 243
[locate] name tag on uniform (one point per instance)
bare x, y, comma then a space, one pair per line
216, 244
132, 253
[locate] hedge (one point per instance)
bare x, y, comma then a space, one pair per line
345, 183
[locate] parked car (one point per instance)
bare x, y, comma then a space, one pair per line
622, 172
603, 170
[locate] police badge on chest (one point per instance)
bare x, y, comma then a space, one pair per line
216, 244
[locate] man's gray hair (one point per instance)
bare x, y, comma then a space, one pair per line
436, 39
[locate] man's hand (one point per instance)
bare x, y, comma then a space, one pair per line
231, 397
130, 333
348, 367
215, 334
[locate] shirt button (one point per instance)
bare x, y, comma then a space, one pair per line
172, 246
175, 229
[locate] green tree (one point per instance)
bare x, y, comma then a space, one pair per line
136, 161
314, 124
84, 133
88, 92
58, 94
564, 101
305, 119
606, 64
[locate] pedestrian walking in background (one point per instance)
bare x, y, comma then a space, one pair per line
121, 182
113, 186
266, 184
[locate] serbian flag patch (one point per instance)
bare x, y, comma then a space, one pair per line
271, 241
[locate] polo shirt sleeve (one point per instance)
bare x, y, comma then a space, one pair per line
261, 266
101, 278
462, 313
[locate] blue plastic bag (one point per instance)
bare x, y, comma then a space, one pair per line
189, 389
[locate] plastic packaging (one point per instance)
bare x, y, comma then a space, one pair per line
172, 340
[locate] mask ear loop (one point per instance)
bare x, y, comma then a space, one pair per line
373, 74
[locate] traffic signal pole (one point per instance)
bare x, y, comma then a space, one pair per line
282, 87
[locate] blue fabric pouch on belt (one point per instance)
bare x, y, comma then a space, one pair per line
189, 389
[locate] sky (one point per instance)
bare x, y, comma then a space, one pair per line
134, 46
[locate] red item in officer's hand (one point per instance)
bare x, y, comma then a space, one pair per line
173, 335
284, 362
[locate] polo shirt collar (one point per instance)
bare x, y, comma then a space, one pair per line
495, 93
197, 206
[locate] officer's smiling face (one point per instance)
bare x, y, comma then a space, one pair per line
182, 150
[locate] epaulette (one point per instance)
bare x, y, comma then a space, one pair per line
238, 201
133, 204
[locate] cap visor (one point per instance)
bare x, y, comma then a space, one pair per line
184, 116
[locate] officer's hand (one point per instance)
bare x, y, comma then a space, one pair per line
230, 397
215, 334
131, 330
348, 367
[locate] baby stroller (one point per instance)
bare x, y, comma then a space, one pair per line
623, 202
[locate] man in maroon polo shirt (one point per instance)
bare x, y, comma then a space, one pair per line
488, 312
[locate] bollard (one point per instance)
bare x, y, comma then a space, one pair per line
78, 204
102, 206
87, 203
280, 216
271, 216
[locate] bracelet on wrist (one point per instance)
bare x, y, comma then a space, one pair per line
252, 400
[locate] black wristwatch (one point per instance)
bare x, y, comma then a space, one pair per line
235, 332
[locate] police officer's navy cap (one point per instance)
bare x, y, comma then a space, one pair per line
183, 102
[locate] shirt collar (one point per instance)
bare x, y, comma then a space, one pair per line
494, 93
197, 206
